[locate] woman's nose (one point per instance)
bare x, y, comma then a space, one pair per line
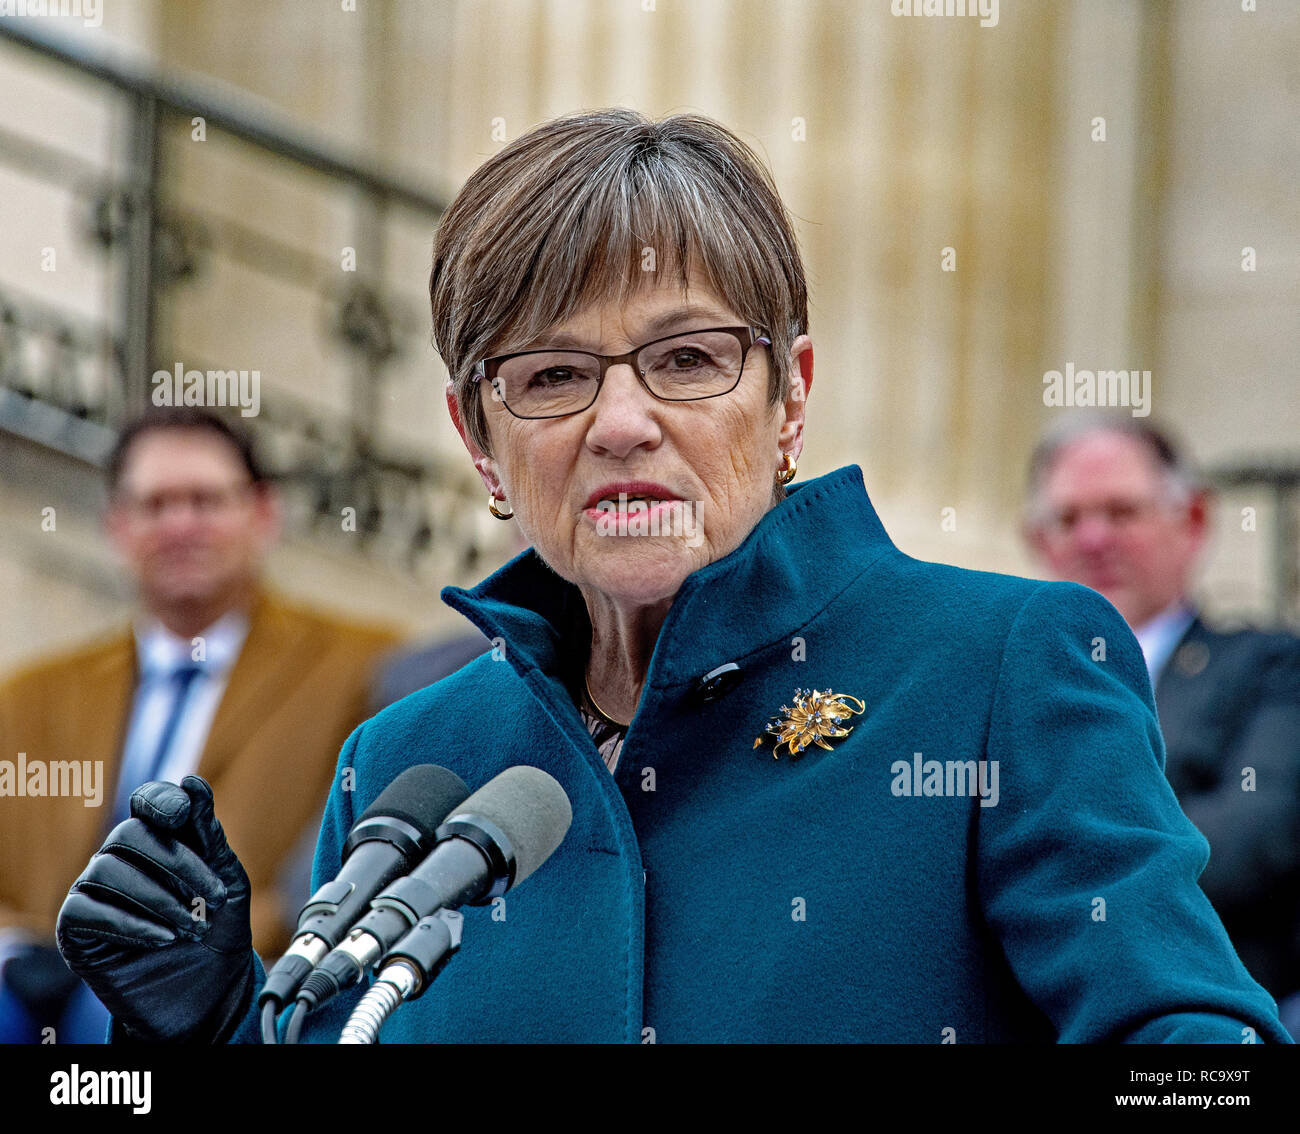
625, 414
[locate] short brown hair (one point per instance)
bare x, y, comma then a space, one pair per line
565, 215
192, 419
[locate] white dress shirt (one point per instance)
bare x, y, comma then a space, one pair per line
1159, 635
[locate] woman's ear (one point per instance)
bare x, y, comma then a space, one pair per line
800, 371
486, 466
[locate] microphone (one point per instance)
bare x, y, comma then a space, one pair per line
491, 843
405, 972
395, 831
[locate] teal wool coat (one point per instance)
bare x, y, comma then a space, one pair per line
708, 892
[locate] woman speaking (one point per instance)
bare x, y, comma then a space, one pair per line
821, 791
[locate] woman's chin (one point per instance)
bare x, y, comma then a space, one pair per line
637, 572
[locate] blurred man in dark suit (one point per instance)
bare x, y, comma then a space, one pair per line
1114, 506
215, 676
414, 667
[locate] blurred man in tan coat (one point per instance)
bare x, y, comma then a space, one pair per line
215, 676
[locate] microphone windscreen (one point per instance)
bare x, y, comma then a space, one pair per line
422, 796
530, 808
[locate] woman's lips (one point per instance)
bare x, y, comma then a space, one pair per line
630, 511
625, 491
635, 507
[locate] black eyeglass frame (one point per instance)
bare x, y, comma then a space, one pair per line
749, 337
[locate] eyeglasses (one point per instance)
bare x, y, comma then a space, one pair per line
205, 502
1120, 513
685, 367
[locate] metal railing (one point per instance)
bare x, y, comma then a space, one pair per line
68, 381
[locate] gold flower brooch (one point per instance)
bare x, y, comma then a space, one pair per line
816, 715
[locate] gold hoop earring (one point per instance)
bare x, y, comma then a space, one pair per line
496, 511
788, 467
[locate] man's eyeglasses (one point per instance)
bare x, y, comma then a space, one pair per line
205, 502
1119, 513
680, 368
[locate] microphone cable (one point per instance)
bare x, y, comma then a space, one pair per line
268, 1023
296, 1020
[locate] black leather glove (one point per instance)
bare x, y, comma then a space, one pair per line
169, 967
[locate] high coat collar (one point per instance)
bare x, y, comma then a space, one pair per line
799, 556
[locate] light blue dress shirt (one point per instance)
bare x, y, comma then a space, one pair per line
160, 654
